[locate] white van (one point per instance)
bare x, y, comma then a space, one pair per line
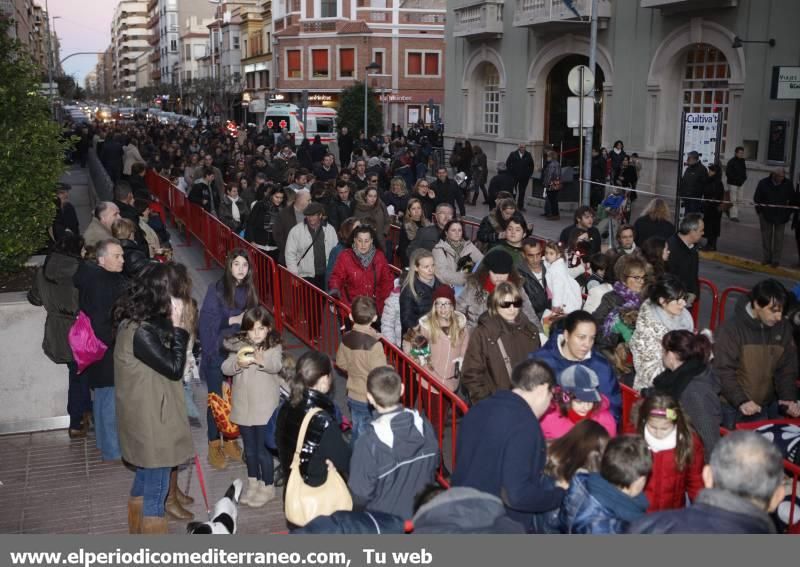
321, 120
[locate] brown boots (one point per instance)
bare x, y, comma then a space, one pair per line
216, 456
154, 525
233, 451
135, 504
173, 505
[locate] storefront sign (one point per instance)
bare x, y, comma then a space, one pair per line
320, 97
785, 83
396, 98
701, 133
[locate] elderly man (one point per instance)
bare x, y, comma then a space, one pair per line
744, 484
105, 213
684, 261
773, 194
309, 244
99, 286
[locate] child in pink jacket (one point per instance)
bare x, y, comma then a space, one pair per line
577, 399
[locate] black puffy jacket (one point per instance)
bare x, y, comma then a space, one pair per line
135, 256
411, 308
323, 440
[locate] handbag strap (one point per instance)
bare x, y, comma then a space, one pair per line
310, 246
301, 436
504, 354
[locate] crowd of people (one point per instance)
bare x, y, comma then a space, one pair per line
536, 337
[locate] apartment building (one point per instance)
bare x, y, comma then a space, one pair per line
128, 42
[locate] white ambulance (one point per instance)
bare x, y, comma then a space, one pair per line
321, 120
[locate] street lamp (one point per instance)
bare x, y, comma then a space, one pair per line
739, 42
371, 68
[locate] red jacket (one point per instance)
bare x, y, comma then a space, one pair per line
667, 487
352, 279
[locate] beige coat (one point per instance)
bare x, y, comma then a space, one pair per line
256, 389
446, 261
444, 353
94, 233
151, 410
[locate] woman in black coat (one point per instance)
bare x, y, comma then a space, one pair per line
310, 388
714, 191
416, 297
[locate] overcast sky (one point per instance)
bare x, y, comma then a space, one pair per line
83, 25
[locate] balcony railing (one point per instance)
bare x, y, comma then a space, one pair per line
479, 21
317, 26
423, 18
680, 5
541, 12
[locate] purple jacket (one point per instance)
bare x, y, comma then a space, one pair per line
213, 323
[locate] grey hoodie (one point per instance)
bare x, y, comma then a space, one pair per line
393, 460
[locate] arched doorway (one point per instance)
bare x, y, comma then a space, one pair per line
556, 131
705, 84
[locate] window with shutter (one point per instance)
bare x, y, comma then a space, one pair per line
293, 68
319, 63
432, 64
414, 63
347, 62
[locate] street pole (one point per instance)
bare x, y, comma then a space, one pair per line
582, 168
49, 58
366, 78
587, 152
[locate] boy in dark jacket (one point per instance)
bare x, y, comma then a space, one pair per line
608, 501
397, 454
358, 354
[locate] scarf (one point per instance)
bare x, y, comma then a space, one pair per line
488, 286
365, 259
668, 443
458, 246
682, 322
576, 417
235, 211
630, 300
674, 382
411, 229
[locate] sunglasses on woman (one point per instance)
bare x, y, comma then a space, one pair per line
506, 304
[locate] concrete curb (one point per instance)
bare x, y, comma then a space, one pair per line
750, 265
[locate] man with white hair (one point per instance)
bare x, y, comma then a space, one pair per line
744, 484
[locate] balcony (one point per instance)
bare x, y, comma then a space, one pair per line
428, 18
155, 74
153, 22
320, 26
550, 12
155, 57
483, 20
686, 5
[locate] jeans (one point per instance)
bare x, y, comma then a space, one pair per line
214, 380
188, 396
731, 415
105, 423
360, 415
258, 459
79, 397
771, 240
153, 485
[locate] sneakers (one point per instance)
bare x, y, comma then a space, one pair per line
264, 493
216, 456
233, 451
250, 492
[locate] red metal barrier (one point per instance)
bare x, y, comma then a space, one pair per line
712, 323
791, 470
725, 297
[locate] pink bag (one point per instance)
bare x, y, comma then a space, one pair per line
86, 347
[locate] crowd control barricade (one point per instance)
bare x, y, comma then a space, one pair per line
727, 301
629, 399
706, 317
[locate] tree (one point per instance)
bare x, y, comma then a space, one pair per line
31, 156
351, 110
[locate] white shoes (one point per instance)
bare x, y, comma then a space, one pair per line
264, 493
250, 492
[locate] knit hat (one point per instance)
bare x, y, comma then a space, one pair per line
444, 291
581, 382
499, 261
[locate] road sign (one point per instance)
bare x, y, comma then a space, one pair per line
580, 80
574, 112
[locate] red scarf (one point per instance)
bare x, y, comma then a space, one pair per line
488, 285
576, 418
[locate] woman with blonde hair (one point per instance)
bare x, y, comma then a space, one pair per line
416, 297
655, 221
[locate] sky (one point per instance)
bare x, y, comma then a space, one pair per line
83, 25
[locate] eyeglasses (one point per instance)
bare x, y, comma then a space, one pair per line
637, 278
508, 304
443, 304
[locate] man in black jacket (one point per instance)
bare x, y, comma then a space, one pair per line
534, 275
503, 181
692, 184
773, 194
684, 261
744, 484
111, 157
520, 165
345, 143
447, 191
583, 219
736, 174
598, 190
341, 206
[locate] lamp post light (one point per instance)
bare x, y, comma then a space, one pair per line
372, 67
